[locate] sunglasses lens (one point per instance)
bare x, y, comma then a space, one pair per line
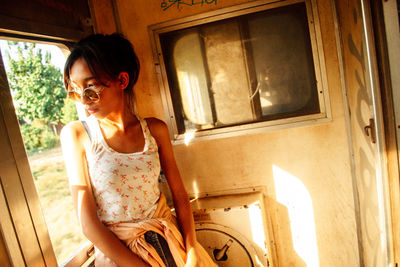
91, 95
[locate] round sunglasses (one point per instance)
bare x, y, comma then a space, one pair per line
91, 93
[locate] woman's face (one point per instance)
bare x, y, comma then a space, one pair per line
110, 96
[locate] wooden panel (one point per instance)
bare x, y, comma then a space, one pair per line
386, 18
22, 168
63, 20
8, 237
3, 254
16, 200
103, 14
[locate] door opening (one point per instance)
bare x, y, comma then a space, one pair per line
34, 72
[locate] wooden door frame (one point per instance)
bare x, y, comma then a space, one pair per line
385, 84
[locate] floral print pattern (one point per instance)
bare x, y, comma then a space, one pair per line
125, 185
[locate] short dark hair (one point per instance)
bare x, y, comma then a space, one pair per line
105, 55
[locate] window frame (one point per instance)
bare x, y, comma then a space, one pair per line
24, 231
253, 127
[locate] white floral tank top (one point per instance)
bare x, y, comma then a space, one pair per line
125, 185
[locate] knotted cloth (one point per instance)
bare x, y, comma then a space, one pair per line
163, 223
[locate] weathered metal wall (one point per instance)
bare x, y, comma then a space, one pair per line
305, 170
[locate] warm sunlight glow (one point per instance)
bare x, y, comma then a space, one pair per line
195, 190
381, 210
292, 193
257, 226
259, 263
265, 102
193, 100
188, 137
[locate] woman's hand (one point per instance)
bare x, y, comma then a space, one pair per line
195, 253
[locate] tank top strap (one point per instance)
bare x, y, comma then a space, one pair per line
145, 127
94, 128
85, 125
97, 138
149, 139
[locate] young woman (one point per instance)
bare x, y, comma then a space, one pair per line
113, 161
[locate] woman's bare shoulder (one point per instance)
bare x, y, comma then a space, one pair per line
73, 135
156, 124
72, 130
158, 129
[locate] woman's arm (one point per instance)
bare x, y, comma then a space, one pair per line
181, 200
73, 140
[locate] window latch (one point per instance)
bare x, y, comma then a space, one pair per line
370, 130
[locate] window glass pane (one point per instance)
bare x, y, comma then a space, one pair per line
250, 68
284, 67
192, 79
228, 72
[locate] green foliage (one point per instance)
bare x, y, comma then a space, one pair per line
39, 96
48, 139
69, 112
36, 84
38, 136
30, 134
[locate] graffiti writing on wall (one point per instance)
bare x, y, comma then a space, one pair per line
367, 185
165, 4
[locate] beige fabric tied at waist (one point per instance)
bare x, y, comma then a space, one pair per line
163, 223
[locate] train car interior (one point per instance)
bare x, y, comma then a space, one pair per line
284, 117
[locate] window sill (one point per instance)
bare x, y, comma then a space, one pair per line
250, 128
83, 258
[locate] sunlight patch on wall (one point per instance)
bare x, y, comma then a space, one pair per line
188, 137
195, 190
257, 226
292, 193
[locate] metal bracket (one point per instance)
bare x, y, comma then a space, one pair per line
370, 130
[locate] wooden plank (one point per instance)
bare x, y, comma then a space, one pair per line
21, 164
15, 196
389, 123
9, 257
